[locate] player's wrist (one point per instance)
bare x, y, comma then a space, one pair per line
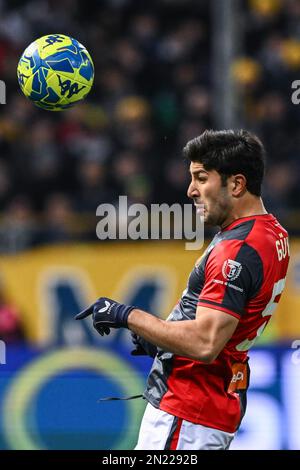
131, 316
123, 313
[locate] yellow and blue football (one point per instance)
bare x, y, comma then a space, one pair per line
55, 72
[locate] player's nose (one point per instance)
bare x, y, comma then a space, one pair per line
192, 191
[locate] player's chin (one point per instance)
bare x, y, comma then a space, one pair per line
210, 219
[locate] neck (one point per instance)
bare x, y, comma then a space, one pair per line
252, 206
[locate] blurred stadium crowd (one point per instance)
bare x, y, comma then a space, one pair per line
152, 93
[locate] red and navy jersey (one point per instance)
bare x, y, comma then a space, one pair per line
242, 273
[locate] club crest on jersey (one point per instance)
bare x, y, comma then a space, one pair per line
231, 269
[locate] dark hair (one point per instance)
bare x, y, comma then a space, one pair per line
229, 153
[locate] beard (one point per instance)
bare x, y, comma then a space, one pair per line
213, 219
219, 210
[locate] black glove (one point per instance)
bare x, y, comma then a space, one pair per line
142, 347
107, 313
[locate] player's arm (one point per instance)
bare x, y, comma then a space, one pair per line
201, 339
233, 275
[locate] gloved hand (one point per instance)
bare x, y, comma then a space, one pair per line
142, 347
107, 313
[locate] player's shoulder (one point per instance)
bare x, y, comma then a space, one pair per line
249, 234
256, 226
265, 233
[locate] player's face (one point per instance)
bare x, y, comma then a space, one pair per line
211, 199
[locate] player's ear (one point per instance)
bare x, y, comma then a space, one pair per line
239, 185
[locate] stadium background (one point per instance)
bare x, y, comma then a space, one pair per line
165, 71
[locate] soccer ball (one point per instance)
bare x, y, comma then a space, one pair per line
55, 72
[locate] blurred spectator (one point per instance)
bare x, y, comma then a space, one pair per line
152, 93
246, 72
59, 223
18, 229
266, 8
11, 330
92, 187
5, 185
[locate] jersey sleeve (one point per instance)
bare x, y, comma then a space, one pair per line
233, 276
